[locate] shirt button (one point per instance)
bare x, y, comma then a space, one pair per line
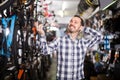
72, 73
72, 54
72, 47
72, 60
72, 67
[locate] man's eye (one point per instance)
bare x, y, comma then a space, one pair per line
75, 22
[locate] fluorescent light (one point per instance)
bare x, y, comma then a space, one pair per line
105, 4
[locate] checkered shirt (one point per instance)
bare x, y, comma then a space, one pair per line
70, 54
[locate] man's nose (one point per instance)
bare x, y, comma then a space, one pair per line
72, 23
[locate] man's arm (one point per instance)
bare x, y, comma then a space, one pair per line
96, 37
44, 46
47, 48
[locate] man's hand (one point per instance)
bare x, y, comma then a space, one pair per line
40, 29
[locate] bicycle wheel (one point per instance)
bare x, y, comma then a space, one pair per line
4, 4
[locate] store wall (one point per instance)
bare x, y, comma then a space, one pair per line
63, 20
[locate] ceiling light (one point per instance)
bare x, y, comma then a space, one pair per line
104, 4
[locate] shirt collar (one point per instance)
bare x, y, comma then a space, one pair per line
76, 40
80, 35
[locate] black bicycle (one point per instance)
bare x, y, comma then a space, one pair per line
5, 4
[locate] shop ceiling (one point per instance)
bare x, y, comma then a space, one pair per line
63, 8
68, 8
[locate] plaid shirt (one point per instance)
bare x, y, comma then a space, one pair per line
70, 54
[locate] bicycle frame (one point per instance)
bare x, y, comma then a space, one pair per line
7, 38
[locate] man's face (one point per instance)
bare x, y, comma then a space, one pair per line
74, 25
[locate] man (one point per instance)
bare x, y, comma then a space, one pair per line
71, 48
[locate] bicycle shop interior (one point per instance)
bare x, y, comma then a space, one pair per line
20, 55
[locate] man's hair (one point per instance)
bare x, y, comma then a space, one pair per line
82, 22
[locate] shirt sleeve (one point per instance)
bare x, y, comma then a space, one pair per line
96, 37
47, 48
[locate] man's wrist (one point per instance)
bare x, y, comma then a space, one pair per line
42, 36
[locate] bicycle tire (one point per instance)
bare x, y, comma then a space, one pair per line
14, 46
6, 4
